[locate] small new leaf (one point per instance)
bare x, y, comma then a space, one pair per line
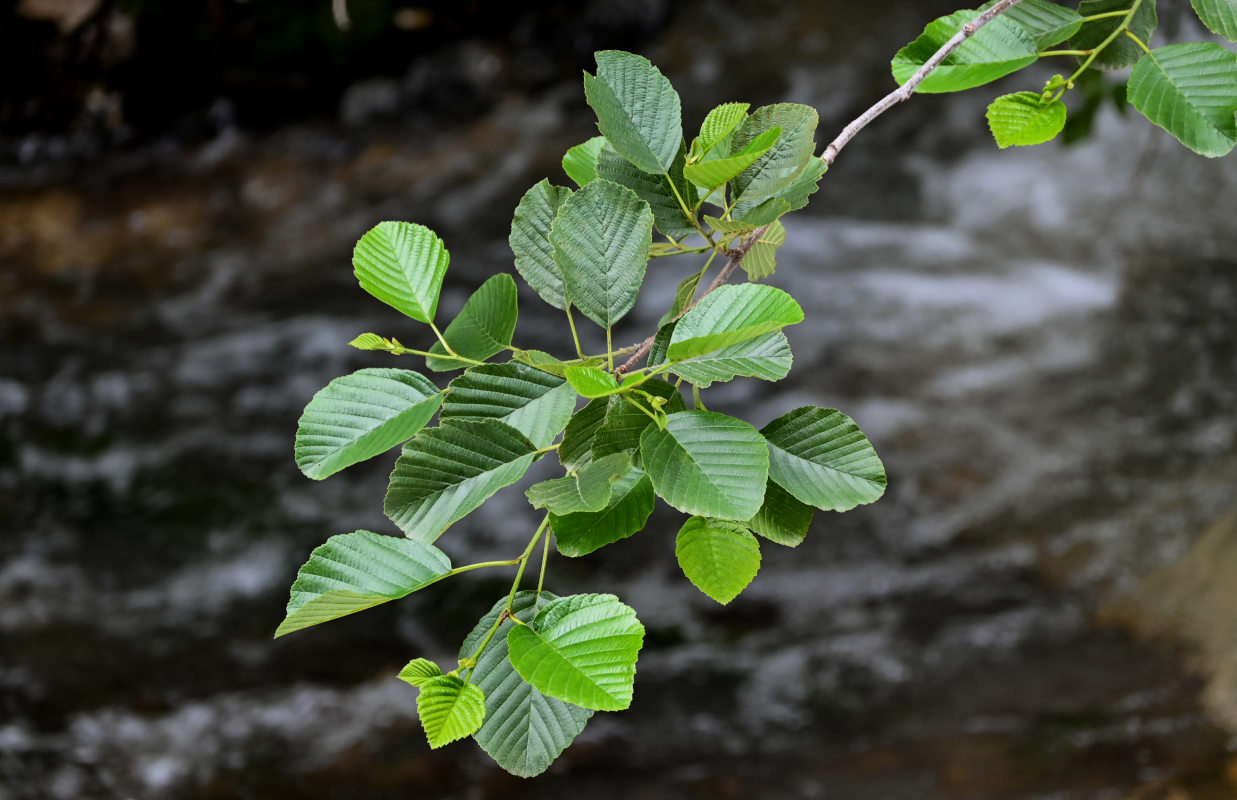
719, 124
1025, 118
591, 381
719, 557
418, 671
449, 709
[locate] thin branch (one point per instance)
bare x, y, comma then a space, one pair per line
735, 259
904, 92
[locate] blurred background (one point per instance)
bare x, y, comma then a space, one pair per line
1041, 344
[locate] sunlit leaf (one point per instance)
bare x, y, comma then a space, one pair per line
719, 557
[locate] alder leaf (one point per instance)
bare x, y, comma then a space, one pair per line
448, 472
717, 125
996, 50
631, 503
449, 709
588, 490
418, 671
1190, 90
729, 315
782, 519
402, 264
530, 241
1218, 15
1122, 51
637, 109
661, 190
719, 557
1024, 118
581, 649
483, 327
358, 416
355, 571
707, 464
580, 163
1046, 22
535, 403
821, 457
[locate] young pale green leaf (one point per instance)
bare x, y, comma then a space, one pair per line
580, 163
587, 490
707, 463
1218, 15
717, 125
777, 169
601, 240
782, 519
581, 649
524, 731
631, 503
592, 382
1046, 22
792, 198
449, 471
449, 709
484, 326
355, 571
761, 260
661, 191
418, 671
1190, 90
358, 416
729, 315
709, 175
637, 109
533, 402
719, 557
402, 264
821, 457
661, 344
576, 449
371, 341
1122, 51
625, 421
1025, 118
530, 241
996, 50
766, 357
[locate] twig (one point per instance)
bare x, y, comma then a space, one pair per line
904, 92
735, 259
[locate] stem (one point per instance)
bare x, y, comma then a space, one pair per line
1046, 53
515, 585
511, 562
1105, 15
575, 337
696, 398
904, 92
545, 556
609, 349
441, 340
447, 356
1125, 24
1138, 41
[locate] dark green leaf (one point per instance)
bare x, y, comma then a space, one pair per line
533, 402
782, 519
1122, 52
631, 503
777, 169
530, 241
484, 326
1047, 23
661, 190
637, 109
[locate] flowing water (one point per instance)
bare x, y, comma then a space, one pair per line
1041, 345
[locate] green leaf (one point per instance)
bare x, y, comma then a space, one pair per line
1220, 16
719, 124
358, 416
581, 649
792, 198
591, 381
576, 449
761, 260
588, 490
721, 558
766, 357
1190, 90
524, 731
782, 519
661, 343
580, 163
533, 402
1123, 51
656, 190
625, 422
402, 264
418, 671
530, 241
729, 315
484, 326
683, 296
708, 464
996, 50
548, 363
601, 240
777, 169
637, 109
447, 472
1024, 118
631, 503
711, 174
449, 709
821, 457
370, 341
355, 571
1047, 23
